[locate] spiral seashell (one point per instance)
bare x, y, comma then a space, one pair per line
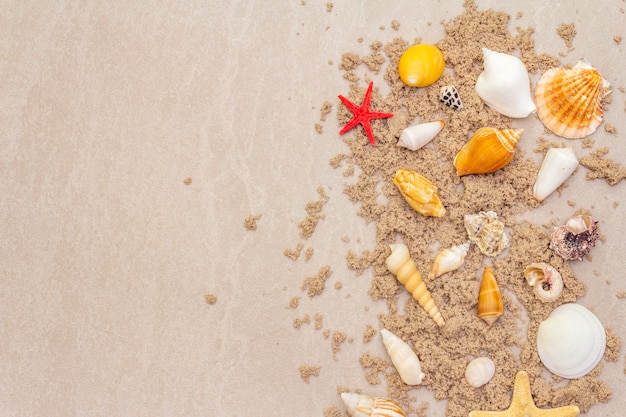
449, 96
403, 267
421, 65
419, 192
545, 280
416, 136
360, 405
487, 151
403, 358
448, 260
576, 238
569, 101
557, 166
480, 371
504, 85
571, 341
490, 306
487, 232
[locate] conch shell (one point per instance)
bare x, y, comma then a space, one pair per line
416, 136
504, 85
487, 151
421, 65
545, 280
576, 238
403, 267
571, 341
487, 232
569, 101
359, 405
480, 371
403, 357
449, 260
490, 305
419, 192
557, 166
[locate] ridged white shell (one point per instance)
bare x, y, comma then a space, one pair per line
449, 260
403, 357
416, 136
359, 405
571, 341
504, 85
480, 371
557, 166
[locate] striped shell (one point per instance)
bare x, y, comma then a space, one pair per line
359, 405
487, 151
449, 259
490, 305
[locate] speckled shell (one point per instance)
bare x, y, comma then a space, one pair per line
480, 371
449, 96
569, 101
487, 232
421, 65
576, 238
418, 135
359, 405
403, 358
490, 306
449, 259
545, 280
488, 150
557, 166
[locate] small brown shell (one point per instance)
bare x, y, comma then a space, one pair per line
576, 238
490, 305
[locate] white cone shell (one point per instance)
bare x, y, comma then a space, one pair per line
480, 371
557, 166
416, 136
571, 341
504, 85
403, 357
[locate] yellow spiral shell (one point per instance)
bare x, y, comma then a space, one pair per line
421, 65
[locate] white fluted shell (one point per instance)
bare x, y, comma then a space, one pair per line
418, 135
403, 357
504, 85
359, 405
480, 371
571, 341
557, 166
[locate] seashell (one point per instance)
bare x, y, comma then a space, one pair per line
576, 238
449, 260
487, 151
571, 341
420, 193
504, 85
360, 405
487, 232
403, 357
490, 305
416, 136
557, 166
545, 280
569, 101
421, 65
449, 96
403, 267
480, 371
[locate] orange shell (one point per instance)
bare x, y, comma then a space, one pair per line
487, 151
490, 305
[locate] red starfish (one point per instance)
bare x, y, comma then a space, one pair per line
363, 115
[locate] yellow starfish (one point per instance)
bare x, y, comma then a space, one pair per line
522, 404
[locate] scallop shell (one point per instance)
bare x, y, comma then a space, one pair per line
576, 238
488, 150
421, 65
557, 166
449, 260
571, 341
360, 405
416, 136
569, 101
403, 357
504, 85
480, 371
545, 280
490, 305
487, 232
419, 192
449, 96
403, 267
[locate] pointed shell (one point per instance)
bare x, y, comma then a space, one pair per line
545, 280
487, 232
449, 259
359, 405
557, 166
504, 85
421, 65
487, 151
569, 101
490, 306
480, 371
571, 341
576, 238
416, 136
403, 358
449, 96
419, 192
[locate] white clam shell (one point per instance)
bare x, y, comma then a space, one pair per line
571, 341
449, 259
403, 357
416, 136
504, 85
359, 405
480, 371
557, 166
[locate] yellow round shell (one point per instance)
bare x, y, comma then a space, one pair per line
421, 65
